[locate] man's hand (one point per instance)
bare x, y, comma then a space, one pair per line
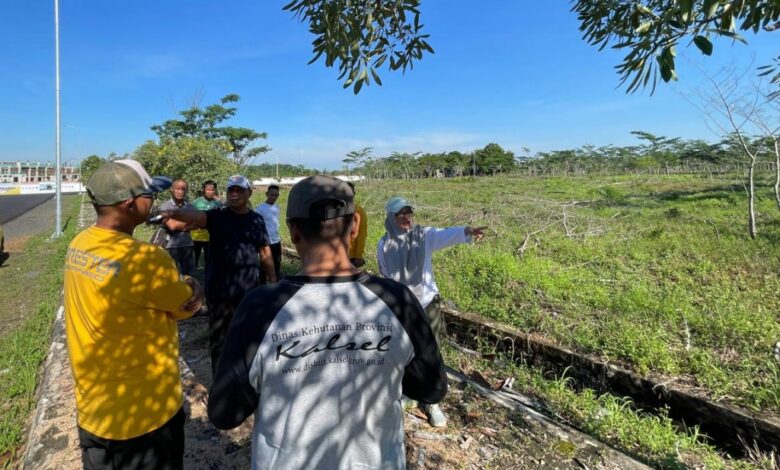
183, 219
476, 232
267, 264
358, 262
194, 303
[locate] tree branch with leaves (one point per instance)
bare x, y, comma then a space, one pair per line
650, 30
360, 36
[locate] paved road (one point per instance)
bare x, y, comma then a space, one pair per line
13, 206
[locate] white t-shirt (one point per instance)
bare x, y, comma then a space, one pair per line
270, 215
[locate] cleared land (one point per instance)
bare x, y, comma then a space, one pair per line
655, 273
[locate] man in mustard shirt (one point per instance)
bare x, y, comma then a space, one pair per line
122, 300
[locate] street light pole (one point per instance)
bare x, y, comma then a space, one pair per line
58, 169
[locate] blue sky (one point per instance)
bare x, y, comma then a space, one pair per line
510, 72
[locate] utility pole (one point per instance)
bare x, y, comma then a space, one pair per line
58, 169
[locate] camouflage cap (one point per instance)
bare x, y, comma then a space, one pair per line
123, 179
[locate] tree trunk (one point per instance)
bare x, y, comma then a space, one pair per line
777, 173
751, 199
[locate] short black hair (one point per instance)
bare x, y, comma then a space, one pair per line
313, 230
351, 185
273, 186
209, 183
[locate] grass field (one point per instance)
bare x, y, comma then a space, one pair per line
30, 293
656, 273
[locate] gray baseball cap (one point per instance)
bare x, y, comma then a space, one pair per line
238, 180
309, 197
123, 179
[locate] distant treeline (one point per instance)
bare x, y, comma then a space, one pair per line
269, 170
654, 154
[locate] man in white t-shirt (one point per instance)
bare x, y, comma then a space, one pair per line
270, 212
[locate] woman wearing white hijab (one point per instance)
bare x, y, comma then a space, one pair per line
405, 255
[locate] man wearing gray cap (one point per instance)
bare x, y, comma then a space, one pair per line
122, 300
323, 357
237, 238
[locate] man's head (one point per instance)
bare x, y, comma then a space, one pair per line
179, 190
123, 188
352, 186
238, 193
209, 189
272, 194
401, 211
320, 209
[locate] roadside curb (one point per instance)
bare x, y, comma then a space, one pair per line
52, 441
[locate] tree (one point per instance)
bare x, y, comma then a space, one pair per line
734, 109
204, 123
195, 159
651, 29
357, 158
89, 165
361, 35
493, 159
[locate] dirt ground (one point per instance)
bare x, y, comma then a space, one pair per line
480, 434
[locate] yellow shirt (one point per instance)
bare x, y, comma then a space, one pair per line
200, 235
122, 299
358, 246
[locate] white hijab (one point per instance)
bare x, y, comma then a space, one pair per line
404, 252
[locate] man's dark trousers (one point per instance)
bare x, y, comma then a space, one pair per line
185, 259
276, 254
162, 449
220, 314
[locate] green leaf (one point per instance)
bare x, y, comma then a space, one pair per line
704, 45
686, 7
644, 27
376, 77
643, 9
727, 22
710, 7
666, 66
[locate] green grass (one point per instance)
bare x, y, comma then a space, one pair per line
652, 438
655, 273
23, 347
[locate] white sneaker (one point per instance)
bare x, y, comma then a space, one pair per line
436, 416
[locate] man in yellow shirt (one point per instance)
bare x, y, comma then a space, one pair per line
122, 300
357, 246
